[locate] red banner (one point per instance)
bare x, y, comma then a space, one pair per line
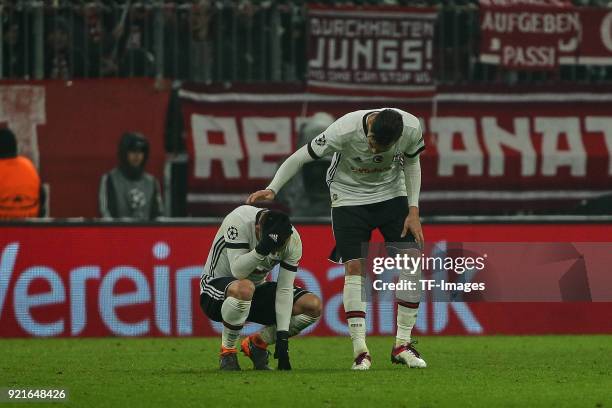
378, 50
496, 152
521, 35
73, 128
54, 282
540, 35
595, 47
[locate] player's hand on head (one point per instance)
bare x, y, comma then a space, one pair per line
412, 224
274, 235
261, 195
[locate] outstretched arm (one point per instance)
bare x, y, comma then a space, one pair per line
285, 172
412, 223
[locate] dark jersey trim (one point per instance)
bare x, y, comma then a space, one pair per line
311, 152
237, 245
415, 153
285, 265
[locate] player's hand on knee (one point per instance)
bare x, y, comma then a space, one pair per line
412, 223
281, 351
261, 195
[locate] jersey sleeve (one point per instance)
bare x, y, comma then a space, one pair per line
328, 142
416, 143
234, 233
292, 253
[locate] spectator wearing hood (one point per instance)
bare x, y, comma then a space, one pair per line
21, 193
127, 191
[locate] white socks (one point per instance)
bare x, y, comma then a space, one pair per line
296, 325
406, 318
407, 307
355, 308
234, 312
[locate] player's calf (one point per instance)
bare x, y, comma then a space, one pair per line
234, 311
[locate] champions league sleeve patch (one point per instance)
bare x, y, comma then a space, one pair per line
320, 141
232, 233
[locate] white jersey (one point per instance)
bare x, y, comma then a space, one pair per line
237, 232
356, 176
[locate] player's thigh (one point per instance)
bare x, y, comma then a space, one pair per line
213, 295
263, 304
352, 228
390, 220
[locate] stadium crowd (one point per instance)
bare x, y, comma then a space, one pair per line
209, 41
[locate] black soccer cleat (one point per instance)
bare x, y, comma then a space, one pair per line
259, 355
228, 360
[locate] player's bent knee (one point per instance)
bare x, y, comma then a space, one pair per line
241, 289
310, 305
353, 267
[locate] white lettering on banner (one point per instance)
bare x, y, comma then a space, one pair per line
528, 56
389, 54
358, 28
470, 156
229, 153
338, 60
7, 265
606, 31
520, 141
184, 317
257, 149
109, 303
552, 157
387, 57
23, 302
478, 137
603, 125
532, 23
413, 55
363, 52
22, 107
78, 296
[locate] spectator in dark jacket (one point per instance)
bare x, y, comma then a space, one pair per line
127, 191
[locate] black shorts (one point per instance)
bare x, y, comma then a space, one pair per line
263, 309
353, 226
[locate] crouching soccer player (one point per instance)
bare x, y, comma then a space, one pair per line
233, 287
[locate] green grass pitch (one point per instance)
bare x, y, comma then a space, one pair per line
531, 371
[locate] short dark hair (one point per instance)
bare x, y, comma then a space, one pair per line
387, 127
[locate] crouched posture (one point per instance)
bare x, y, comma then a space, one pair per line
249, 244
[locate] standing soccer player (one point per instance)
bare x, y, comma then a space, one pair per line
233, 289
374, 181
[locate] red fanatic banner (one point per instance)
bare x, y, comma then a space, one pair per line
520, 35
377, 50
71, 129
495, 152
54, 282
